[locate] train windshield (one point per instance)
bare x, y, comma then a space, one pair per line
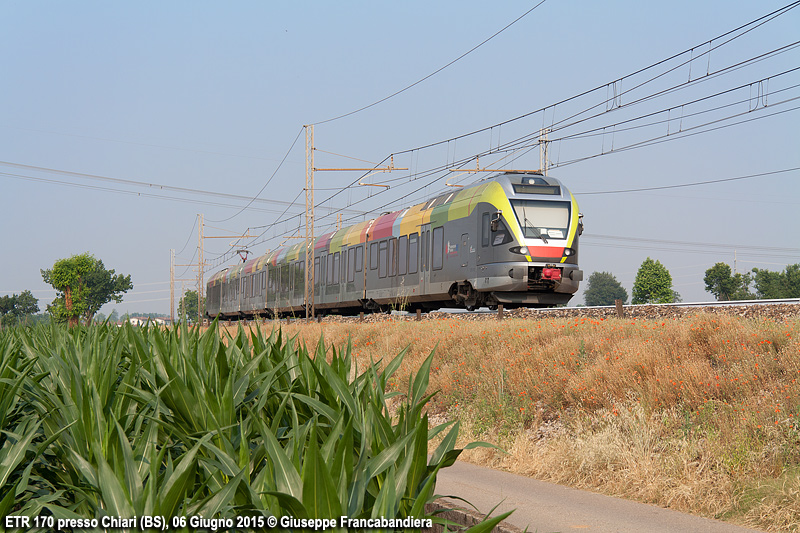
542, 219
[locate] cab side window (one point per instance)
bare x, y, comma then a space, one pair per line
502, 235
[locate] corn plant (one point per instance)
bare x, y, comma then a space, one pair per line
130, 422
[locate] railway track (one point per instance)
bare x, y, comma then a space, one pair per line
766, 309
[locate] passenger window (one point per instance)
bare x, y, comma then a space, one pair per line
300, 279
383, 256
438, 248
336, 268
373, 256
359, 258
392, 257
351, 265
413, 253
402, 255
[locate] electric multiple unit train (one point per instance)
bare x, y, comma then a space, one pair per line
510, 239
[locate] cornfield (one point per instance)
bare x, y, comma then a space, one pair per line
105, 424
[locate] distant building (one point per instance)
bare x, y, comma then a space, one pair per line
143, 320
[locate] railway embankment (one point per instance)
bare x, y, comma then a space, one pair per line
644, 312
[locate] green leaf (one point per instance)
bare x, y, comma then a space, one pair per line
289, 503
419, 467
319, 491
387, 457
114, 498
222, 499
8, 500
488, 524
447, 444
14, 450
421, 381
287, 479
180, 482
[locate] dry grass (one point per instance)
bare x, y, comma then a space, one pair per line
700, 414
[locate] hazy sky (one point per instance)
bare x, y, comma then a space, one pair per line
98, 99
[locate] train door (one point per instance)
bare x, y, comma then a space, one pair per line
269, 300
485, 231
424, 258
465, 254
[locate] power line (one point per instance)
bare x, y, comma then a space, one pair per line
705, 245
434, 72
137, 183
129, 193
135, 143
761, 20
267, 183
667, 138
601, 130
189, 237
521, 150
562, 124
694, 184
757, 22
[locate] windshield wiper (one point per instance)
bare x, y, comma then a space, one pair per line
526, 221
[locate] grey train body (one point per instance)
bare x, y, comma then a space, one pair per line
462, 249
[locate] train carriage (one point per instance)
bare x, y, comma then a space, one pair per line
510, 239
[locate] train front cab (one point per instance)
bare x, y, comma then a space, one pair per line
528, 251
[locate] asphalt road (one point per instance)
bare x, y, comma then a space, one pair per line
546, 507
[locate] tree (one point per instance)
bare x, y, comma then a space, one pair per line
653, 284
187, 306
84, 286
769, 284
113, 317
603, 288
725, 286
17, 306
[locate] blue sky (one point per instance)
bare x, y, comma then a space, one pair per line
210, 96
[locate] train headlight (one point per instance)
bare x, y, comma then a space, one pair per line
523, 250
568, 252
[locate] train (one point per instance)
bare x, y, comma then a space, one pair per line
510, 239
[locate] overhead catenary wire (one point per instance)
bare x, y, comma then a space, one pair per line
773, 14
531, 139
433, 173
373, 104
693, 184
127, 192
274, 173
765, 18
686, 133
136, 143
194, 225
135, 183
705, 245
